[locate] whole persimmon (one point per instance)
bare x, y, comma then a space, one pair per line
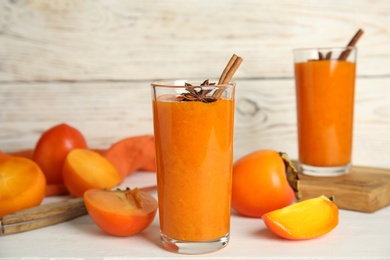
85, 169
121, 212
52, 148
260, 183
22, 184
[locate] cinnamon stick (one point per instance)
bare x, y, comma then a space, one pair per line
344, 55
228, 73
231, 68
227, 68
46, 215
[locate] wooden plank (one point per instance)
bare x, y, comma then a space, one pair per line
365, 189
105, 112
141, 40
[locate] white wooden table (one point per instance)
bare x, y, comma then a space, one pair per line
358, 236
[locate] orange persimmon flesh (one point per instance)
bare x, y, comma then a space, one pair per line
22, 184
303, 220
86, 169
51, 189
121, 212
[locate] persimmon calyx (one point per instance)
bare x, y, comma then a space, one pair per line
292, 175
331, 198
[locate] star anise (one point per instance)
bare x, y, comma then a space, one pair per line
198, 93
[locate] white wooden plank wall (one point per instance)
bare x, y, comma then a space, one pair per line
89, 63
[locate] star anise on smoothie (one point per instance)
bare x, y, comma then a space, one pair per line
198, 93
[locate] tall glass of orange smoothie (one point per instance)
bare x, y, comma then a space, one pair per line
325, 85
193, 127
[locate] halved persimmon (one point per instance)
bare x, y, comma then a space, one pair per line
86, 169
121, 212
304, 220
22, 184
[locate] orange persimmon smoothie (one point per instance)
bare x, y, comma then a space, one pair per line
325, 97
194, 151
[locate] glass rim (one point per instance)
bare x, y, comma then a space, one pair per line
325, 48
179, 83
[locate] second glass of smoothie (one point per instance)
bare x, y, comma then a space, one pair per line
325, 86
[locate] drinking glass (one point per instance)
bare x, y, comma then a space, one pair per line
193, 128
325, 86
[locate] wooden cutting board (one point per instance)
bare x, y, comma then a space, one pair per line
365, 189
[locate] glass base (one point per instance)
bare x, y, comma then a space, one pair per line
193, 247
324, 171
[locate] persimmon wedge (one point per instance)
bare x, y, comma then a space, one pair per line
121, 212
303, 220
22, 184
86, 169
131, 154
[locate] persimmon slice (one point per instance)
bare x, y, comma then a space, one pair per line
303, 220
86, 169
22, 184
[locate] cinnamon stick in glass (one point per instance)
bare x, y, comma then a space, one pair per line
344, 55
